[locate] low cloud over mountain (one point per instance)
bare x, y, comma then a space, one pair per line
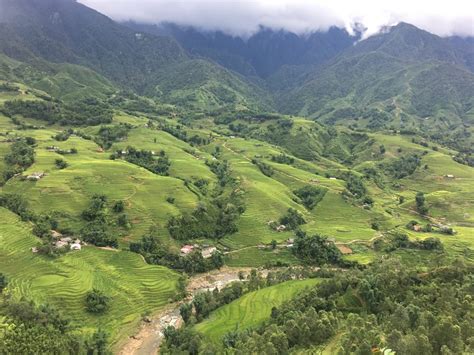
243, 17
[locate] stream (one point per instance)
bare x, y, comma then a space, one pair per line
148, 338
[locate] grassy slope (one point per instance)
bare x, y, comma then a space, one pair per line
134, 286
250, 310
68, 191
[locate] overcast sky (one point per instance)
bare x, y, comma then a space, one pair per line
242, 17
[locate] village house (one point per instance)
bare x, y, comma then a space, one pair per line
75, 246
186, 249
417, 228
52, 148
281, 228
35, 176
207, 252
56, 234
449, 176
290, 242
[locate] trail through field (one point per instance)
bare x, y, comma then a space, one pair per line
149, 337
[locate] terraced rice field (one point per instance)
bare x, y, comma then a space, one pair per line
134, 286
251, 309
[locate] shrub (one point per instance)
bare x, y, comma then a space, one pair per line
97, 301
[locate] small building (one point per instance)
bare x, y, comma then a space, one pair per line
281, 228
207, 252
61, 244
417, 228
290, 242
52, 148
449, 176
56, 234
332, 178
75, 246
35, 176
185, 250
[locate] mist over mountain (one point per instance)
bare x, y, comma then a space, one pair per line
329, 75
263, 53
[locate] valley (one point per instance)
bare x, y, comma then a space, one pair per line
163, 187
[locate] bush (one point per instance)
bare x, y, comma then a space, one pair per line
292, 219
97, 301
61, 163
310, 195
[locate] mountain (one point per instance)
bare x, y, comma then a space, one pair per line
402, 77
263, 53
42, 33
66, 31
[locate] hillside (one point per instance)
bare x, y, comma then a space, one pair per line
263, 54
400, 79
279, 194
40, 33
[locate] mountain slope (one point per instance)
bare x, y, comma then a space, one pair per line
401, 77
263, 54
66, 31
200, 84
42, 33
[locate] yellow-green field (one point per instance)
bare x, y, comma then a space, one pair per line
134, 286
251, 309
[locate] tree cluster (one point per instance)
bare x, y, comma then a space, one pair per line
156, 253
310, 196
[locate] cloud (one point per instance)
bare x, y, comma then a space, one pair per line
243, 17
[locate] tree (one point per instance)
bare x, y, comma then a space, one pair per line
98, 343
61, 163
3, 282
273, 244
420, 203
292, 219
186, 310
96, 301
118, 206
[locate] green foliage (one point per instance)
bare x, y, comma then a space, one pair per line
95, 230
156, 253
39, 330
3, 282
96, 208
310, 195
222, 170
292, 219
420, 203
316, 250
266, 169
21, 155
87, 112
110, 134
17, 204
146, 159
403, 166
355, 186
118, 206
213, 220
96, 301
61, 163
283, 159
